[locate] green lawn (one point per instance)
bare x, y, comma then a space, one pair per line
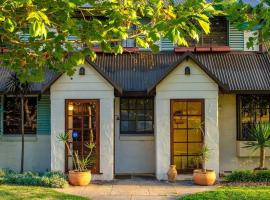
14, 192
232, 193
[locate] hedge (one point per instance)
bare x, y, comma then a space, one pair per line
249, 176
47, 179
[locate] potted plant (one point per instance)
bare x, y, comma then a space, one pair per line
260, 139
80, 175
204, 176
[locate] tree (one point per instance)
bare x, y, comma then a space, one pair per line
251, 16
48, 24
260, 136
16, 87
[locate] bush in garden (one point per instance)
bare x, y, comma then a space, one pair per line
48, 179
249, 176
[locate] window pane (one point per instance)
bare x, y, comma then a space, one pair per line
124, 125
140, 126
180, 122
140, 104
12, 116
140, 115
194, 108
132, 103
77, 122
180, 148
149, 104
180, 162
148, 115
148, 126
132, 126
124, 103
124, 115
132, 115
194, 148
180, 135
194, 122
179, 108
194, 135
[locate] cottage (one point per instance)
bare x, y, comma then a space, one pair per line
145, 111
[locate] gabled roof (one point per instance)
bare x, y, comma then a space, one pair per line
238, 72
107, 78
184, 57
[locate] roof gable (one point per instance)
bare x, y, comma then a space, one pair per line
187, 56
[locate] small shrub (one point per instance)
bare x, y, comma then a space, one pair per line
48, 179
249, 176
262, 176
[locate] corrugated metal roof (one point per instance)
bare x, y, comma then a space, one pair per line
141, 71
35, 87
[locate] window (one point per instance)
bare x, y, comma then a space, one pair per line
252, 109
217, 37
136, 115
12, 115
187, 124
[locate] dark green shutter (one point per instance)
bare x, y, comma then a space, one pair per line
236, 38
44, 116
166, 45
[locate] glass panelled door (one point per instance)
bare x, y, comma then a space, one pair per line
187, 118
82, 121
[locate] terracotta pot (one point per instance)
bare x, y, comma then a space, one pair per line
207, 177
172, 173
77, 178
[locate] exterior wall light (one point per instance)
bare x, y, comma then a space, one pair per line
82, 71
187, 70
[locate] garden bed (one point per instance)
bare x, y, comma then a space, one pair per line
47, 179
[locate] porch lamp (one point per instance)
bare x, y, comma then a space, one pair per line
70, 107
187, 70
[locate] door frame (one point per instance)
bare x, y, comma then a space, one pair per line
97, 101
171, 123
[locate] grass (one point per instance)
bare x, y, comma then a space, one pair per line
14, 192
232, 193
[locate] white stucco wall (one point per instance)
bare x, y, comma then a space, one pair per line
176, 85
134, 154
90, 86
37, 155
229, 158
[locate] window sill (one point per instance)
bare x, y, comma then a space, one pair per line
136, 137
18, 138
246, 152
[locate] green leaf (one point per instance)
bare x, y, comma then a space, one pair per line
2, 17
204, 23
9, 25
118, 49
141, 43
154, 48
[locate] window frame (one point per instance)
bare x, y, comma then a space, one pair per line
137, 132
239, 108
4, 118
172, 141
